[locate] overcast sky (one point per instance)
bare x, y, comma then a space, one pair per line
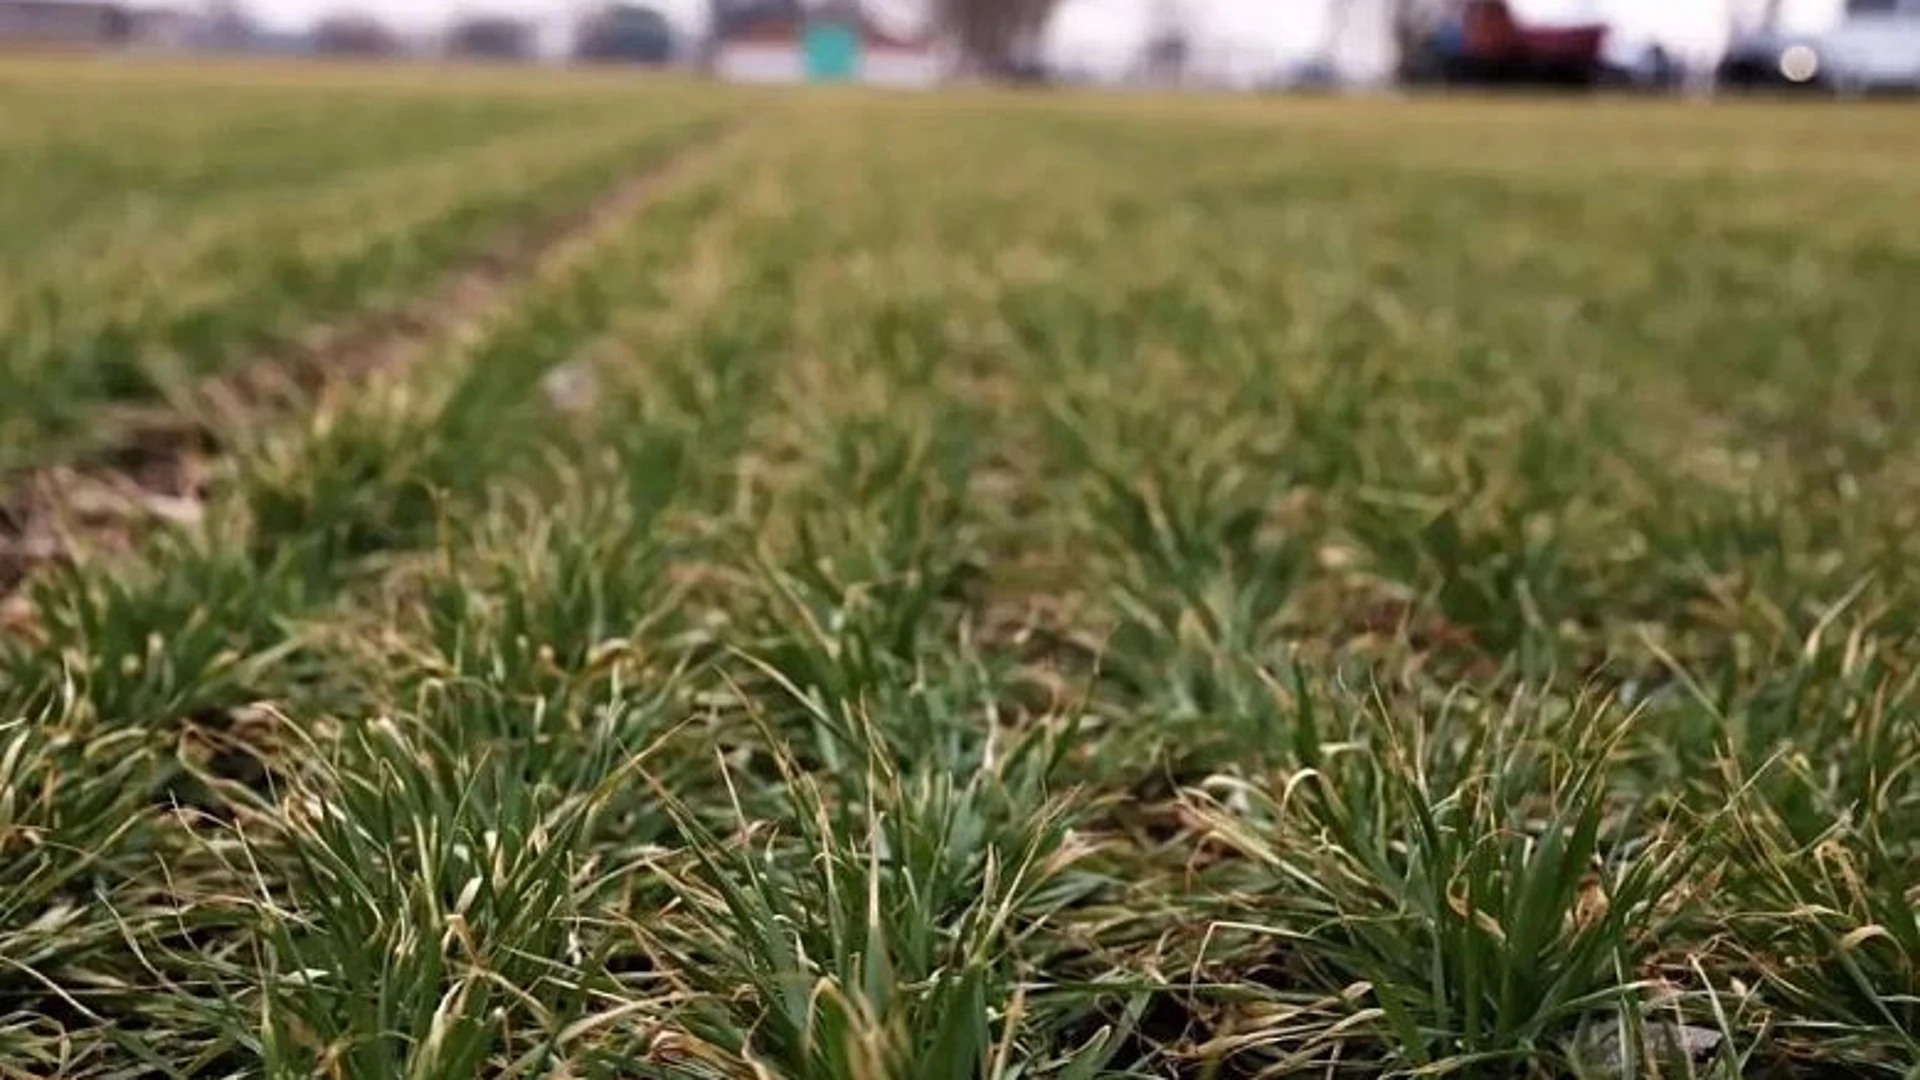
1099, 32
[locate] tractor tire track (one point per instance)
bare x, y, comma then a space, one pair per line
154, 462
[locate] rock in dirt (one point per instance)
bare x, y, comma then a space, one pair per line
1671, 1043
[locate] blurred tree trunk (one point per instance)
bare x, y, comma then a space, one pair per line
996, 37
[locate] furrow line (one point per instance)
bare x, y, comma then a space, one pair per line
154, 462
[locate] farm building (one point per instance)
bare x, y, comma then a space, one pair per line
785, 41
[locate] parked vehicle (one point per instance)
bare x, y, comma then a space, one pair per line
1482, 42
1874, 49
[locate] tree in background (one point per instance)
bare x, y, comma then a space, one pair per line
1169, 46
996, 37
353, 33
226, 24
490, 37
624, 33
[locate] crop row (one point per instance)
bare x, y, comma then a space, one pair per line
236, 255
982, 588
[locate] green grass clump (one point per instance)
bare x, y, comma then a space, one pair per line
974, 587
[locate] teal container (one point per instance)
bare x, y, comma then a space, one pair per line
832, 51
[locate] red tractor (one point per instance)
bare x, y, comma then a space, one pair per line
1480, 42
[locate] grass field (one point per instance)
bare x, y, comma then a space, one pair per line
951, 587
